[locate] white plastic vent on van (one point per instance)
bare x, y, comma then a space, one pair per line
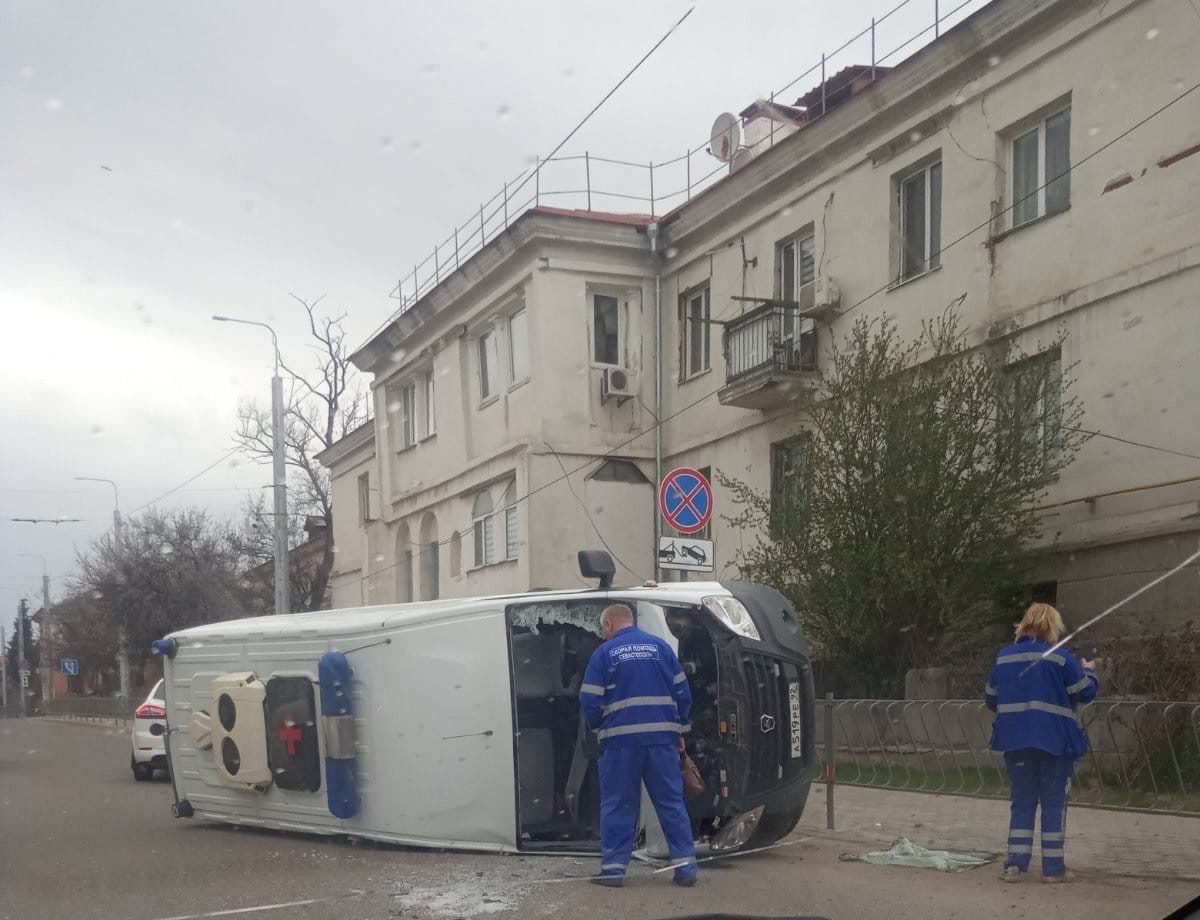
239, 731
200, 730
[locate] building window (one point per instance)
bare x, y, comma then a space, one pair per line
1035, 407
487, 365
787, 475
695, 309
1041, 168
518, 347
510, 521
484, 527
430, 405
408, 409
364, 498
606, 330
921, 222
795, 279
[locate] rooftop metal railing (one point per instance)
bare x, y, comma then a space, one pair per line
589, 182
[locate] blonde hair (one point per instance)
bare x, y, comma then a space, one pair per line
1041, 621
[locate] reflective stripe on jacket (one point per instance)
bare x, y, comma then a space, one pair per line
1037, 700
634, 692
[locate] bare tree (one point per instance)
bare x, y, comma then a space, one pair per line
319, 409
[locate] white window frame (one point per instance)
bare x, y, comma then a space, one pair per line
430, 398
483, 530
511, 527
622, 330
408, 413
487, 366
686, 324
1040, 428
805, 293
364, 497
514, 378
1035, 126
929, 259
791, 326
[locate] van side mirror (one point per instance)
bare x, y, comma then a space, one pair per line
158, 729
596, 563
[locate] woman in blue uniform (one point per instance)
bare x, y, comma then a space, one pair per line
1036, 694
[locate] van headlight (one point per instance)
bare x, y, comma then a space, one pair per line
734, 615
738, 831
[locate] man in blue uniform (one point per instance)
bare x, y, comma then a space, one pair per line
635, 697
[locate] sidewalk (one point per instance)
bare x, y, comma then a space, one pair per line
1099, 841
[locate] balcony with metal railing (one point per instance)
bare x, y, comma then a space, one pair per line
770, 357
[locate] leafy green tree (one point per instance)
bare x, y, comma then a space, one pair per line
903, 509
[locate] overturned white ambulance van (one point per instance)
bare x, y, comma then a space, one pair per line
456, 723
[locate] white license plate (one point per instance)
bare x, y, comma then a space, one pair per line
794, 706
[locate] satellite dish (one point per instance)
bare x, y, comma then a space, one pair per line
726, 137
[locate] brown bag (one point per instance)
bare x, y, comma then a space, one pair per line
693, 783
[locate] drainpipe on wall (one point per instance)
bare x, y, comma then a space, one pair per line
652, 233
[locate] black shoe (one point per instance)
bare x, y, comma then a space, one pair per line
608, 881
685, 881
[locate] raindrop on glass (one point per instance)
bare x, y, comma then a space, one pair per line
994, 61
27, 72
503, 113
1151, 35
97, 430
672, 252
54, 104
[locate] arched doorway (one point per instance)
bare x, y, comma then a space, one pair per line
404, 565
430, 586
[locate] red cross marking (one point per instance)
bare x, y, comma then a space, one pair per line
290, 735
687, 499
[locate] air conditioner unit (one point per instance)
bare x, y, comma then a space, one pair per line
239, 731
618, 384
827, 298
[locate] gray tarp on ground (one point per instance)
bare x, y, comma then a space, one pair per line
906, 853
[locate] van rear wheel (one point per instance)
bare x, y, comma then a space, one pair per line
774, 827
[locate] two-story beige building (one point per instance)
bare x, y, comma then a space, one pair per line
1039, 163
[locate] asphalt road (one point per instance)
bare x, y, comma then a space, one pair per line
79, 839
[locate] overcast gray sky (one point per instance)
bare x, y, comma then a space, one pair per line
162, 162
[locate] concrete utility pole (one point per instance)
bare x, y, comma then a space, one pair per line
283, 602
4, 669
122, 637
21, 655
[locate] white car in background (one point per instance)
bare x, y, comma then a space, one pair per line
149, 751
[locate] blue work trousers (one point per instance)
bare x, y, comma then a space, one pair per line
1038, 778
622, 772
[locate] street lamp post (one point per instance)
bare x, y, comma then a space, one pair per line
48, 660
122, 638
279, 472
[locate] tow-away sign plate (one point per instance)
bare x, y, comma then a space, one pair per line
687, 554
